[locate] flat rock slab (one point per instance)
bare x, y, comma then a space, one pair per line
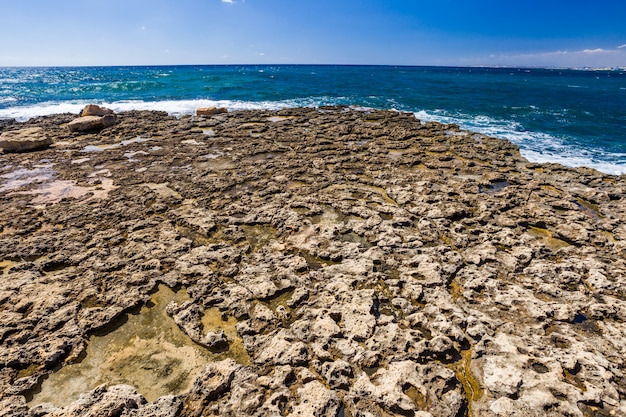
88, 123
22, 140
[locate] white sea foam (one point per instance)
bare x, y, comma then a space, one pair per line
534, 146
173, 107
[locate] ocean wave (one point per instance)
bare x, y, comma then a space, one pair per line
7, 100
173, 107
535, 146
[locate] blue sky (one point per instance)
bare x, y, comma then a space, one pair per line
395, 32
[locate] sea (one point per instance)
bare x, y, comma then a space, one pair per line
574, 117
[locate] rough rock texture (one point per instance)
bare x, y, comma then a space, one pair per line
27, 139
93, 118
335, 263
95, 110
210, 111
89, 123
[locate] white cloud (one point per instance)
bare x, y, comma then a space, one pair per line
228, 1
596, 51
622, 46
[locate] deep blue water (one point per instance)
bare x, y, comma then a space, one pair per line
572, 117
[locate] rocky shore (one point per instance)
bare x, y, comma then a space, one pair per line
305, 262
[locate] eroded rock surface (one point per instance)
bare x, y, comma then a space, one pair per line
336, 262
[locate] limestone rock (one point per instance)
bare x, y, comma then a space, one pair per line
14, 406
166, 406
89, 123
28, 139
95, 110
210, 111
356, 262
316, 401
106, 402
214, 380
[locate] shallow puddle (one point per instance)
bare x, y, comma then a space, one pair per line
315, 262
259, 236
329, 216
395, 154
275, 119
463, 372
355, 238
545, 236
590, 209
260, 157
213, 320
23, 177
131, 155
251, 125
107, 146
191, 142
494, 187
383, 194
147, 351
99, 148
55, 191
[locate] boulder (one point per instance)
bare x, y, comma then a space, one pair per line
27, 139
93, 117
87, 123
95, 110
210, 111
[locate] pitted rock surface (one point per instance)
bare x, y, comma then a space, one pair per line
370, 265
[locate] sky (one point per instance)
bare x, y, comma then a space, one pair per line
543, 33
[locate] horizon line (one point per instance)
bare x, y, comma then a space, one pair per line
589, 68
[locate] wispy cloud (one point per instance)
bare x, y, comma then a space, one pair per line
596, 51
593, 57
228, 1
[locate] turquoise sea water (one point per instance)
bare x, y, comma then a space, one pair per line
574, 117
